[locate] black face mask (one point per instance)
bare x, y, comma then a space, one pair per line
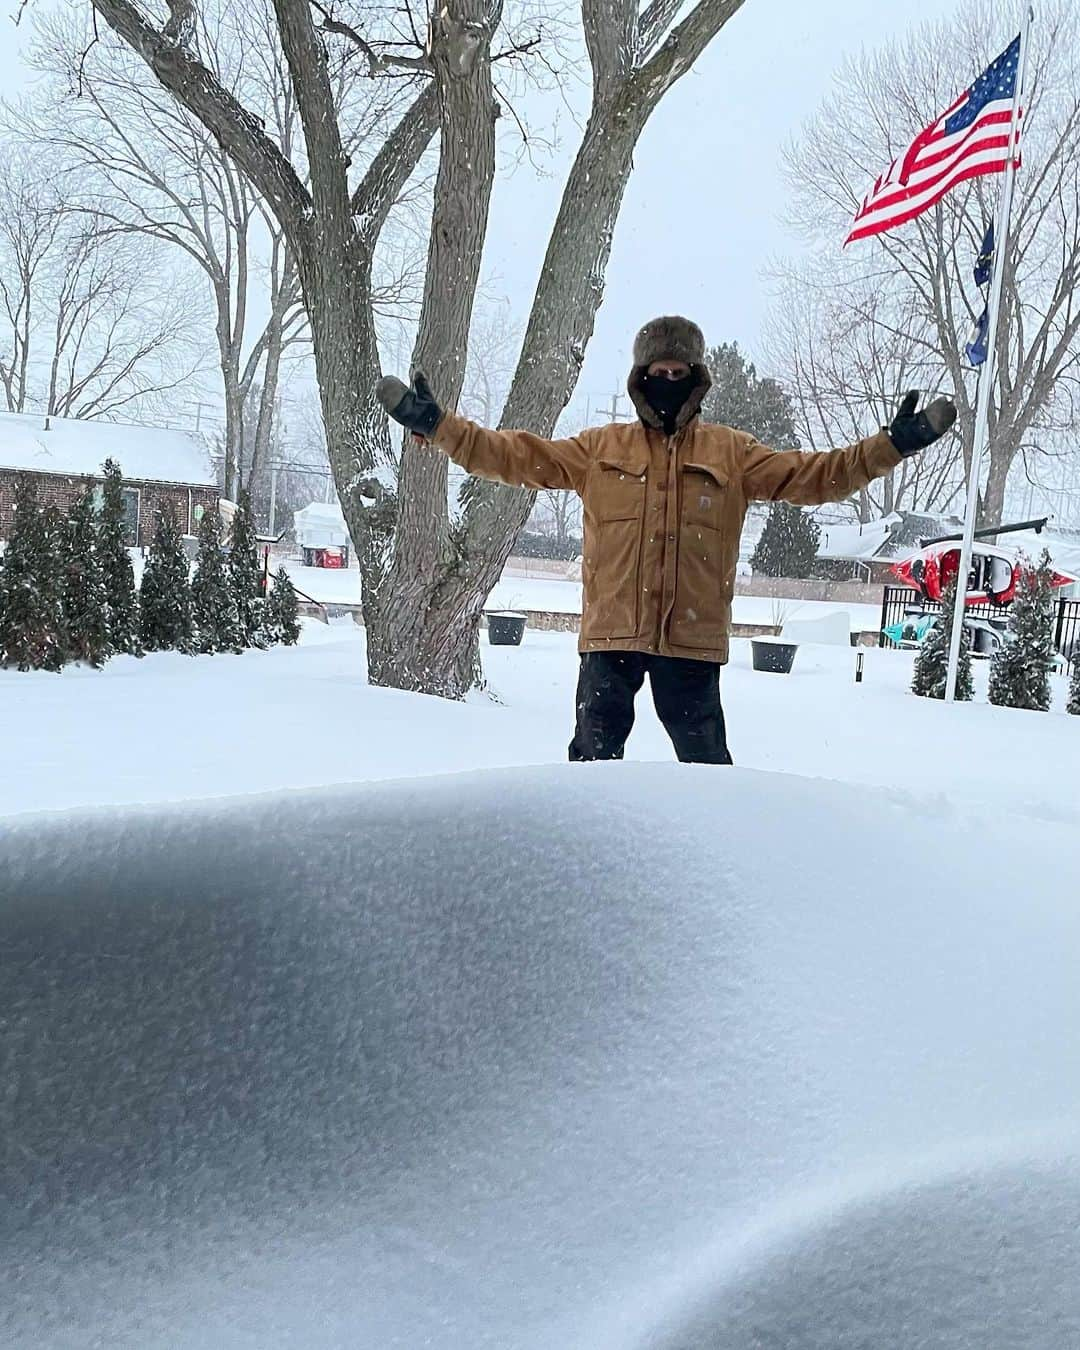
666, 397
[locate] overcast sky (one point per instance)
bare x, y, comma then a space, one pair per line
702, 215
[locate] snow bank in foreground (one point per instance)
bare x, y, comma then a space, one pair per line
602, 1058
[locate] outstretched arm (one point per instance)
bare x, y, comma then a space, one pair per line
811, 479
832, 475
515, 457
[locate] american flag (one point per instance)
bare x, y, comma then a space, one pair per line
970, 138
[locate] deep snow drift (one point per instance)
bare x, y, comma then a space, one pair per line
623, 1057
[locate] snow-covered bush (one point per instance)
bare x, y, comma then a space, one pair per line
165, 593
1021, 667
245, 574
118, 577
30, 618
213, 606
82, 587
932, 662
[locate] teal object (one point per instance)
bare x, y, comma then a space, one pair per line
911, 630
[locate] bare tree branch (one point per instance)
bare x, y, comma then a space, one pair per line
84, 320
378, 62
684, 45
180, 25
610, 38
395, 163
238, 131
653, 24
315, 100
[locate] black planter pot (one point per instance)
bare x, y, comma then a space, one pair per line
506, 630
776, 657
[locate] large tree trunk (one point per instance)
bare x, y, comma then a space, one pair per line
993, 498
347, 365
411, 638
234, 427
443, 652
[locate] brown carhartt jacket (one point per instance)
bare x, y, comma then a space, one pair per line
663, 515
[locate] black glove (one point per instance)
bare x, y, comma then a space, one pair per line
412, 405
911, 432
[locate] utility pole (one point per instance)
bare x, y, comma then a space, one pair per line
613, 414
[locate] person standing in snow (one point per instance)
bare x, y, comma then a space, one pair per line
663, 502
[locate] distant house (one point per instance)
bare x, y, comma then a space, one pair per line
322, 535
63, 456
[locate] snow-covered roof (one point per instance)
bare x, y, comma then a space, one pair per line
1063, 547
856, 541
327, 514
71, 446
893, 536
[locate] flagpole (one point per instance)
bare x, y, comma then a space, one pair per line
985, 384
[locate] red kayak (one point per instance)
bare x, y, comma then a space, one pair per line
993, 578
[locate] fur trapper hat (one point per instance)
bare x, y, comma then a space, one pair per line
669, 338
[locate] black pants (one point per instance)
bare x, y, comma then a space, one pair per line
686, 695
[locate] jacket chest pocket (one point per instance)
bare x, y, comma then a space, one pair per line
705, 495
618, 492
615, 499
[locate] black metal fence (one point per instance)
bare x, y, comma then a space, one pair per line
901, 602
1067, 632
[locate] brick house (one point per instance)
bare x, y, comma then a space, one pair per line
63, 456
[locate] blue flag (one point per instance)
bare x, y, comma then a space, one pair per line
980, 334
984, 263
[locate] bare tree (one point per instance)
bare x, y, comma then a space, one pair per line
494, 342
909, 295
133, 160
843, 355
131, 155
426, 578
295, 471
86, 329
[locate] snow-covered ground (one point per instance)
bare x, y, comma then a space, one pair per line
170, 728
603, 1057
